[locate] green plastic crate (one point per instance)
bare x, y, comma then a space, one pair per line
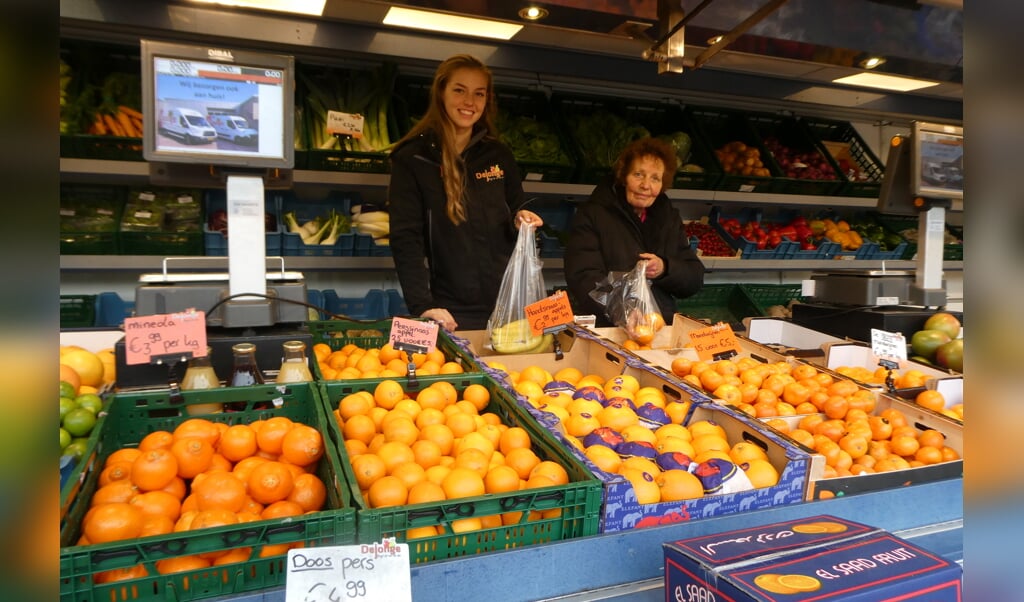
719, 127
842, 141
718, 303
91, 202
77, 311
763, 296
578, 502
338, 333
161, 243
130, 417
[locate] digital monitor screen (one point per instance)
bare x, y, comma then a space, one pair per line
939, 160
215, 106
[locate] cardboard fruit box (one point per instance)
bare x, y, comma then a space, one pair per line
921, 419
796, 466
859, 355
131, 416
789, 338
815, 558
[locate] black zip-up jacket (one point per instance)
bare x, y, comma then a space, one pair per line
606, 235
439, 264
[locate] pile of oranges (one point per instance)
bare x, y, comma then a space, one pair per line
205, 474
439, 445
353, 361
581, 415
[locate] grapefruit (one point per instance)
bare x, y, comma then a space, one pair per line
68, 375
87, 364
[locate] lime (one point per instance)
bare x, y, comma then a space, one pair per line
65, 438
79, 422
66, 405
76, 448
90, 401
67, 389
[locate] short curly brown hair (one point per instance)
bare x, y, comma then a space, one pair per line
646, 147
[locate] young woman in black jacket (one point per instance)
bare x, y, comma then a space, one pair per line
627, 219
455, 200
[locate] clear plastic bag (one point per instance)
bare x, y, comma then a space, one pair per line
523, 284
629, 303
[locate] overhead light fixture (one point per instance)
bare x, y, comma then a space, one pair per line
872, 62
714, 40
301, 7
445, 23
533, 13
884, 82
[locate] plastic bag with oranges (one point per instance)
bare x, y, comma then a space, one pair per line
629, 303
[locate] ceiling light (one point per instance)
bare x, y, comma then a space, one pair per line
302, 7
533, 13
872, 62
884, 82
467, 26
714, 40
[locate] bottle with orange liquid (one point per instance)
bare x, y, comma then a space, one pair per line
200, 375
294, 365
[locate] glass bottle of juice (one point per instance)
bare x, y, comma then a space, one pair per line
244, 373
294, 365
200, 375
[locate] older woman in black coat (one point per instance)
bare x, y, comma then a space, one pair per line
627, 219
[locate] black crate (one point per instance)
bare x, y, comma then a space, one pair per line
719, 128
843, 143
777, 133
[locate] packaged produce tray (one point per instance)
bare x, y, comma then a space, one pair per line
600, 127
370, 334
215, 242
951, 251
526, 516
89, 219
720, 128
790, 147
162, 221
77, 311
860, 169
336, 203
321, 89
131, 416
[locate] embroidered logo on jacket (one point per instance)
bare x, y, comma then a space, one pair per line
495, 172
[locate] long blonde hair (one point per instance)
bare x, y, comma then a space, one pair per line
453, 170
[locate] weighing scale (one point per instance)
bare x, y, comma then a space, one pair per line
850, 303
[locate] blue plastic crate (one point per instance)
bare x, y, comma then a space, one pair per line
306, 210
111, 309
374, 306
316, 297
216, 244
748, 248
396, 303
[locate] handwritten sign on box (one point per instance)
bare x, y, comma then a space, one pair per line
345, 124
163, 337
549, 313
374, 571
413, 336
715, 342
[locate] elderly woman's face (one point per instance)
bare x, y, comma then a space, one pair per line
644, 181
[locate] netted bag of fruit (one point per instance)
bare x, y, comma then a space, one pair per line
629, 303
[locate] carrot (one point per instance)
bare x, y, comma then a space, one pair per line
130, 112
138, 125
99, 126
112, 125
126, 123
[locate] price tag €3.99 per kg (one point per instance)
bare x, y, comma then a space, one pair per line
364, 572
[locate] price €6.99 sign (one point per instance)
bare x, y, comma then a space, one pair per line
356, 573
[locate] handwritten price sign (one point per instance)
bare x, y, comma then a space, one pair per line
345, 124
377, 571
715, 342
413, 336
549, 313
889, 346
161, 337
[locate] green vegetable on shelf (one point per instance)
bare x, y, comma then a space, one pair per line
531, 140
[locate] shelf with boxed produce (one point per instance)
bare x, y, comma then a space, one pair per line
737, 150
161, 221
133, 416
474, 524
601, 126
90, 217
784, 236
321, 219
804, 165
860, 169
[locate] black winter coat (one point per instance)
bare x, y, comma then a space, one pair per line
440, 264
606, 235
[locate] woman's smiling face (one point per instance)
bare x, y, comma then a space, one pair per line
644, 181
465, 98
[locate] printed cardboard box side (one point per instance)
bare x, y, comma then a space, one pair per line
816, 558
